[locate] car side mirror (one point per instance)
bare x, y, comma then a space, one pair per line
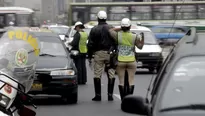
24, 111
135, 105
73, 53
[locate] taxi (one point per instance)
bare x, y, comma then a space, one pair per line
56, 73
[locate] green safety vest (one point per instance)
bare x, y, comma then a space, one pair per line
83, 42
126, 45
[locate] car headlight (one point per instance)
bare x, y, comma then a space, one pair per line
155, 54
4, 100
62, 72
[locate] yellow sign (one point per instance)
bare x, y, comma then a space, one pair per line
37, 86
26, 37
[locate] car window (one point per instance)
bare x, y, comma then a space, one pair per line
149, 37
168, 30
87, 30
59, 30
186, 84
52, 45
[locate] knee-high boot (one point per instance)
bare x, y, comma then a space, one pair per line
131, 89
122, 91
111, 83
97, 86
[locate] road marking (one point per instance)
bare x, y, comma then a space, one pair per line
102, 84
117, 96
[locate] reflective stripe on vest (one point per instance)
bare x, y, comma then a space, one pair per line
83, 42
126, 47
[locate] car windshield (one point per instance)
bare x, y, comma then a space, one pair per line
168, 30
87, 30
186, 84
59, 30
48, 46
149, 37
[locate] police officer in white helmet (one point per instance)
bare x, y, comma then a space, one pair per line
79, 43
126, 57
99, 44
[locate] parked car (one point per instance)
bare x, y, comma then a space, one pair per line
56, 73
168, 34
178, 88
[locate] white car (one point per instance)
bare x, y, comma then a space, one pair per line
61, 30
69, 38
150, 56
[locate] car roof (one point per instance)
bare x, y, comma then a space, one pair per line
138, 28
57, 25
191, 44
45, 34
171, 26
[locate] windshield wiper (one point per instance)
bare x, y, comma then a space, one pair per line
44, 54
185, 107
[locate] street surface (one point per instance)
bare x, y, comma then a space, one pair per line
87, 107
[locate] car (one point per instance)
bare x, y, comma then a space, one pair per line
150, 56
56, 73
70, 34
168, 34
177, 89
61, 30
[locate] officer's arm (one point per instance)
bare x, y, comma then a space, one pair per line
139, 40
76, 39
113, 33
90, 44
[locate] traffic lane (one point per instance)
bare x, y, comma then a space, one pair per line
85, 106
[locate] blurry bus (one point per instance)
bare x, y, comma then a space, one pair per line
189, 13
17, 16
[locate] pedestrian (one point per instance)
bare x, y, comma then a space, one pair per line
99, 45
126, 42
79, 43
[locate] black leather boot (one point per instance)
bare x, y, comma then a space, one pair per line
131, 89
122, 91
111, 83
97, 86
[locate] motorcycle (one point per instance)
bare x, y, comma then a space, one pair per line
19, 51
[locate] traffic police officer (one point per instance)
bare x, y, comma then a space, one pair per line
80, 43
99, 45
126, 55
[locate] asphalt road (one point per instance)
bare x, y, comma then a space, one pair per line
85, 106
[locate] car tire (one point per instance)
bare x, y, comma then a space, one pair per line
70, 99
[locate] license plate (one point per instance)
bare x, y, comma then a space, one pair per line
139, 63
37, 87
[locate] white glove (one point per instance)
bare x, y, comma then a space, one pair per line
139, 37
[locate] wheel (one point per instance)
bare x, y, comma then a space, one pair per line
151, 70
71, 99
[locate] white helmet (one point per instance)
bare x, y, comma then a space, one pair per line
125, 22
78, 23
102, 15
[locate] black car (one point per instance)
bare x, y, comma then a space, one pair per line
56, 72
178, 89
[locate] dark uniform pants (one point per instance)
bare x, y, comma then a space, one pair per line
80, 63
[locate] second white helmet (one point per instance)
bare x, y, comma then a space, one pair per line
125, 22
102, 15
